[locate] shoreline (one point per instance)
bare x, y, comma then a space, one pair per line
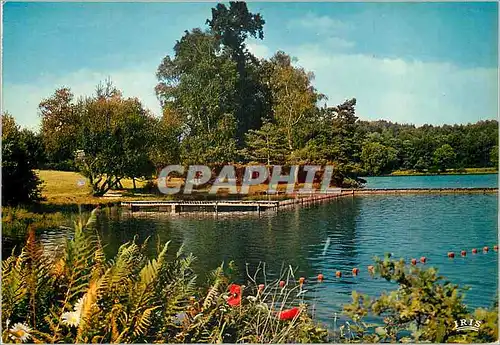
468, 171
470, 190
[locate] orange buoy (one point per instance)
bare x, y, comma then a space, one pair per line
320, 277
371, 269
474, 251
302, 280
451, 254
423, 259
495, 248
355, 271
413, 262
338, 274
485, 249
261, 287
463, 253
282, 283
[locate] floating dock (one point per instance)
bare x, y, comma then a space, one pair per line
178, 206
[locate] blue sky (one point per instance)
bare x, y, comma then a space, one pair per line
405, 62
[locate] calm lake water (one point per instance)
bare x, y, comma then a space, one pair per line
433, 181
338, 235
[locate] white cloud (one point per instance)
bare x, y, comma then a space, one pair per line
319, 25
330, 32
394, 89
403, 91
337, 43
259, 50
21, 100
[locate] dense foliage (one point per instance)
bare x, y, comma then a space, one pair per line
20, 184
391, 146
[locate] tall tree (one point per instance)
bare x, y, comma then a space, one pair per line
198, 84
109, 137
20, 184
197, 88
444, 157
231, 27
378, 158
59, 127
293, 96
212, 78
266, 145
114, 140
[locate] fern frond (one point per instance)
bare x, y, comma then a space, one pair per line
144, 322
92, 219
213, 293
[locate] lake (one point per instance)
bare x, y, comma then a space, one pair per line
339, 235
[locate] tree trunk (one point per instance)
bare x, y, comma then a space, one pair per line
289, 137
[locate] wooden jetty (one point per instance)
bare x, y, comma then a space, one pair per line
215, 206
179, 206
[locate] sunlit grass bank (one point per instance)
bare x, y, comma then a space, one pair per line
65, 187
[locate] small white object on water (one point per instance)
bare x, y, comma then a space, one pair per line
80, 183
327, 244
301, 293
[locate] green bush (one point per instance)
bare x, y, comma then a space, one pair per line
20, 184
423, 308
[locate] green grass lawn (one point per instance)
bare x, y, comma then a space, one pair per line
61, 187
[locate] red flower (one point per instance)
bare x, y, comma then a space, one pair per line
235, 297
289, 314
